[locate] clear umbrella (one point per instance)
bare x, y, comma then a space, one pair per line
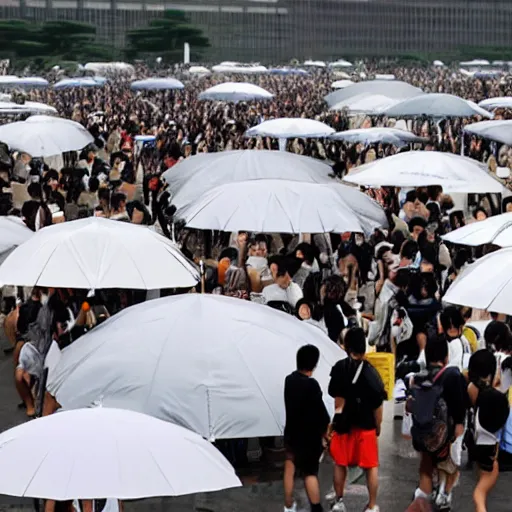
96, 253
234, 92
495, 230
423, 168
215, 365
196, 175
41, 136
108, 453
486, 284
281, 206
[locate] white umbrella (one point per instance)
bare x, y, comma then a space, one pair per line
96, 253
315, 63
494, 103
485, 284
281, 206
371, 104
495, 230
108, 453
235, 91
396, 90
500, 130
375, 135
69, 83
213, 364
41, 136
13, 232
438, 106
285, 128
156, 84
196, 175
342, 84
28, 81
475, 63
199, 70
422, 168
341, 63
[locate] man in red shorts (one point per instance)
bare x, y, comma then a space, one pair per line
359, 393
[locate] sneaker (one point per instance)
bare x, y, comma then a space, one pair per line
444, 501
293, 508
374, 509
339, 506
331, 496
418, 493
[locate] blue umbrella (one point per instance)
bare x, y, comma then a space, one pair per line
68, 83
156, 84
28, 82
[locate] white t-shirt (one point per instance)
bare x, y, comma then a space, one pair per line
505, 376
459, 352
274, 292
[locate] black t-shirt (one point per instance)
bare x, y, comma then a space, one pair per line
455, 392
307, 418
361, 398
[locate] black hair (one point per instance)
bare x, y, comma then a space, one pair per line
383, 250
355, 341
35, 191
397, 239
417, 221
52, 174
409, 249
307, 251
231, 253
300, 303
480, 209
493, 409
496, 335
436, 351
116, 200
137, 205
307, 358
451, 317
402, 278
422, 196
94, 184
482, 366
411, 196
280, 262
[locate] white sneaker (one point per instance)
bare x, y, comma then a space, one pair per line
444, 501
374, 509
293, 508
331, 496
339, 506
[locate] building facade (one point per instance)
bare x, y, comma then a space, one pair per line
279, 30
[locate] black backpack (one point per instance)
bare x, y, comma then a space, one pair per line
431, 430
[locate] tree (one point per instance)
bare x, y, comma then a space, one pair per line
50, 41
165, 37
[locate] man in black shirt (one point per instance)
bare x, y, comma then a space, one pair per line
358, 393
306, 426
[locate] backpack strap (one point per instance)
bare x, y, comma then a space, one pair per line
358, 373
438, 374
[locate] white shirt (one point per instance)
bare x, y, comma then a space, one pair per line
459, 352
505, 376
274, 292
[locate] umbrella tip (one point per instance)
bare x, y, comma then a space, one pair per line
98, 403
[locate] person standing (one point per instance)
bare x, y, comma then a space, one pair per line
305, 431
358, 393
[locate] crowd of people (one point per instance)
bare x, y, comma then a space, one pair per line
379, 293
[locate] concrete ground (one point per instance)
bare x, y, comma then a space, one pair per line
262, 490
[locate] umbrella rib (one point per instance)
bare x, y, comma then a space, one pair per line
259, 387
35, 474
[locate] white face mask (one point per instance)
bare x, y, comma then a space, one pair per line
44, 299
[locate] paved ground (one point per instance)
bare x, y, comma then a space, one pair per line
262, 490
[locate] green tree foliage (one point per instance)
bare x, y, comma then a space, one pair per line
165, 37
50, 41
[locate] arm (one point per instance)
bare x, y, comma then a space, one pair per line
378, 414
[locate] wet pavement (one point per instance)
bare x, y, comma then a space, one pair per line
262, 490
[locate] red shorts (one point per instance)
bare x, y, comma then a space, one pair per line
357, 448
